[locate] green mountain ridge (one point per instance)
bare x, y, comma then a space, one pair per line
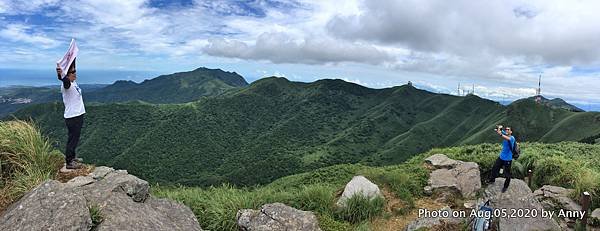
178, 87
274, 128
556, 103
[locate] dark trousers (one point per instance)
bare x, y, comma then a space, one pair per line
506, 169
74, 126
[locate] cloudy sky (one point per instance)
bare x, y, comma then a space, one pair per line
500, 47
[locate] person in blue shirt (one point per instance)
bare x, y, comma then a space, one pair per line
505, 158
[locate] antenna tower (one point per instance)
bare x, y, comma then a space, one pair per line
538, 91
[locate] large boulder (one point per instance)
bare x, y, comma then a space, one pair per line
446, 221
123, 201
359, 185
452, 177
438, 161
594, 219
518, 197
275, 217
49, 206
554, 197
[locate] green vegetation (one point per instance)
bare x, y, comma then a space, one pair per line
26, 160
318, 190
179, 87
360, 208
95, 215
282, 128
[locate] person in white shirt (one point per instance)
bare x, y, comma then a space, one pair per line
74, 111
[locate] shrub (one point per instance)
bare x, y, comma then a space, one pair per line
359, 208
95, 215
328, 223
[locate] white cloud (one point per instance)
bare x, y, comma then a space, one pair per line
282, 48
503, 45
357, 81
20, 33
559, 32
15, 7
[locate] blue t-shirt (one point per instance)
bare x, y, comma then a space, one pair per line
506, 153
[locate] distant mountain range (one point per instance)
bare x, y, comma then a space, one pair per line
557, 103
274, 127
179, 87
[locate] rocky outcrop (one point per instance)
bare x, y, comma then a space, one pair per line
518, 197
436, 222
554, 197
123, 202
275, 217
452, 177
438, 161
595, 218
359, 185
50, 206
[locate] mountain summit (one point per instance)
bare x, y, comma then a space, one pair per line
556, 103
178, 87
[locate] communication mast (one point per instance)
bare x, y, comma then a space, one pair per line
538, 91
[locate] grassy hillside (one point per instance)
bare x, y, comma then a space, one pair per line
274, 128
26, 160
318, 190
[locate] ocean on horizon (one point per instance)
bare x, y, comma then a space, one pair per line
36, 78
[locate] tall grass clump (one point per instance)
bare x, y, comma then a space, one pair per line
26, 159
359, 208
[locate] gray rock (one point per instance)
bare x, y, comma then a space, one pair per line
122, 213
516, 189
438, 161
124, 202
359, 185
595, 218
443, 184
428, 223
49, 206
452, 177
518, 197
117, 181
277, 216
100, 172
596, 213
554, 197
79, 181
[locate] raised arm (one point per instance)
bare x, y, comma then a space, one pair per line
503, 136
66, 81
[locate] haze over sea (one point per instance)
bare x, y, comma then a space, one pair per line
22, 77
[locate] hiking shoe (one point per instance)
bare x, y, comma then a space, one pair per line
74, 165
504, 190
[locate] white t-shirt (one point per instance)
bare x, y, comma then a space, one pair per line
73, 100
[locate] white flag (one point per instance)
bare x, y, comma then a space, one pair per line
66, 61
